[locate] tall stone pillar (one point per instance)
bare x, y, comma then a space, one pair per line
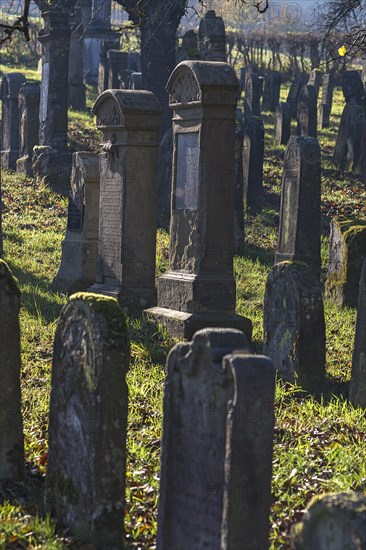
77, 93
9, 90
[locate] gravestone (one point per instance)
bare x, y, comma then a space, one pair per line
347, 251
335, 521
297, 83
282, 125
239, 185
323, 116
307, 112
11, 426
134, 62
360, 163
103, 70
293, 324
245, 72
77, 91
357, 390
253, 153
80, 246
117, 69
165, 179
199, 289
136, 81
252, 98
217, 445
347, 150
327, 90
271, 91
9, 91
85, 480
212, 38
189, 48
352, 88
28, 101
299, 230
130, 122
315, 80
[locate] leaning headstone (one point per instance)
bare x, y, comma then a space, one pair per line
271, 91
212, 38
352, 88
252, 98
29, 95
327, 90
323, 116
9, 92
299, 230
297, 83
253, 154
217, 445
357, 390
165, 179
199, 289
347, 251
117, 69
85, 481
11, 426
307, 112
282, 125
293, 324
80, 246
239, 184
335, 521
130, 122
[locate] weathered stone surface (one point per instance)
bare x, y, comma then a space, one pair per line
85, 481
252, 99
29, 95
11, 426
315, 80
136, 81
212, 38
323, 116
352, 88
357, 390
80, 246
307, 112
189, 48
200, 279
327, 90
103, 70
293, 323
239, 185
130, 122
299, 231
335, 521
297, 83
347, 150
347, 251
77, 91
9, 91
253, 153
282, 126
165, 179
218, 404
271, 91
117, 69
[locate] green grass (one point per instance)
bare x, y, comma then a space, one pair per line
320, 441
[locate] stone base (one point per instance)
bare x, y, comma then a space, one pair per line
53, 167
133, 301
184, 325
24, 166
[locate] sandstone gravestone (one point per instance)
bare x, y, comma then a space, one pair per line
315, 80
80, 246
165, 179
189, 48
327, 90
85, 481
323, 116
293, 323
217, 445
199, 289
11, 426
212, 38
347, 251
347, 150
9, 91
307, 112
333, 522
239, 184
352, 88
271, 91
282, 126
28, 98
245, 72
77, 90
252, 105
253, 153
297, 83
357, 390
130, 122
299, 230
103, 70
117, 69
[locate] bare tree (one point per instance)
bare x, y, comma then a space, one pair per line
349, 18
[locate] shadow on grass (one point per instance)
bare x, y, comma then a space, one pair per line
264, 256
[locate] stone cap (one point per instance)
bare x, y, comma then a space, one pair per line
10, 84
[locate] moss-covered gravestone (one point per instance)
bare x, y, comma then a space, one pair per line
85, 482
333, 522
11, 427
357, 391
347, 251
294, 327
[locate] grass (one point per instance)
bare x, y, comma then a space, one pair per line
320, 441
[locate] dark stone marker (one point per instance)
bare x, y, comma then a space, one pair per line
11, 426
334, 522
282, 125
315, 79
323, 116
271, 91
103, 70
327, 90
29, 95
130, 122
297, 83
239, 184
352, 88
357, 390
136, 81
85, 481
9, 91
299, 231
80, 246
217, 445
252, 99
77, 91
347, 251
189, 48
212, 38
348, 146
360, 163
307, 112
165, 179
199, 289
117, 69
253, 153
293, 324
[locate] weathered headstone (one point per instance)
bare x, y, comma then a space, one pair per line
315, 79
11, 426
189, 48
352, 88
335, 521
85, 481
77, 90
103, 70
117, 69
299, 230
9, 91
130, 122
271, 91
239, 184
293, 324
327, 90
165, 179
252, 98
199, 289
357, 390
253, 153
212, 38
297, 83
80, 246
323, 116
282, 125
307, 112
348, 145
347, 251
360, 163
217, 445
29, 95
136, 81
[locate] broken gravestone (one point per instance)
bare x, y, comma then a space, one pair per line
357, 390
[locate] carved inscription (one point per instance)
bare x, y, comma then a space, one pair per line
187, 175
44, 92
289, 213
111, 223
